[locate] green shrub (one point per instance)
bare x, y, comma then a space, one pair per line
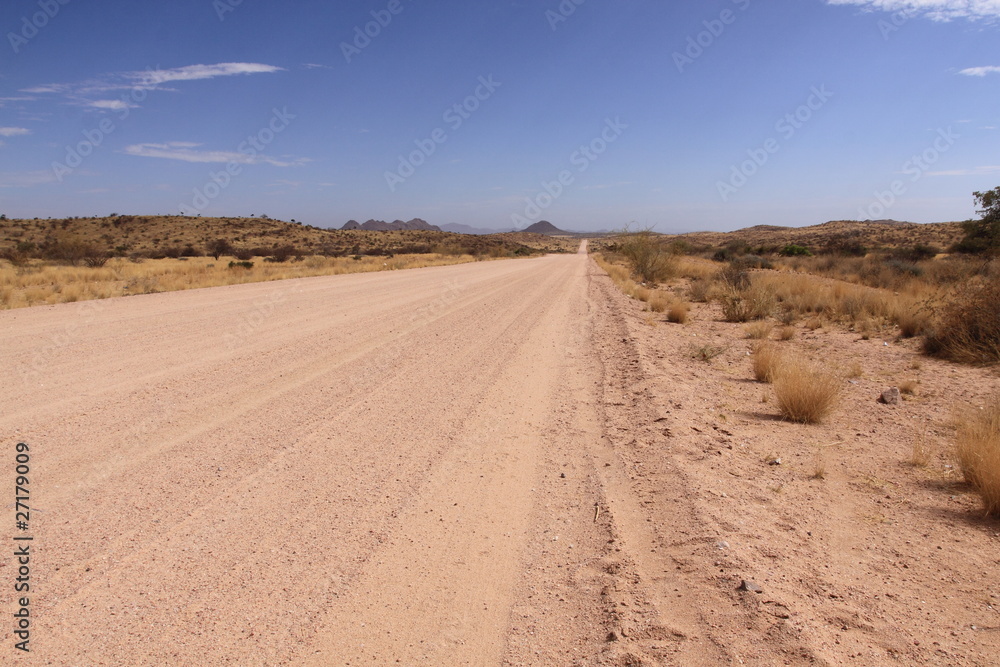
651, 260
792, 250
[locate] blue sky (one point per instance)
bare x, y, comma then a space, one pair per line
680, 115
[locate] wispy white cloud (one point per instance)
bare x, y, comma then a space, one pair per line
83, 93
157, 77
25, 179
186, 152
937, 10
315, 66
975, 171
14, 131
4, 101
110, 105
981, 71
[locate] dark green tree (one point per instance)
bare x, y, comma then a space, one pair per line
983, 235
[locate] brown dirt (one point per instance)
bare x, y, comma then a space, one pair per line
492, 463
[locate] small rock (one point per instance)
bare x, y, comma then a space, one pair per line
722, 545
612, 637
891, 396
750, 587
562, 475
774, 462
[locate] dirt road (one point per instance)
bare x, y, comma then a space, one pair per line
403, 466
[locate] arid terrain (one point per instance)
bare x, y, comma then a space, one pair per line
172, 236
491, 463
880, 233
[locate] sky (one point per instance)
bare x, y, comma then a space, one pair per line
677, 116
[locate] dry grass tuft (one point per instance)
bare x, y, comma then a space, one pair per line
766, 360
819, 464
755, 301
677, 312
909, 387
786, 333
759, 330
978, 449
805, 393
658, 302
922, 453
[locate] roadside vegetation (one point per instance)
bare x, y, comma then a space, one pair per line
939, 300
978, 448
39, 282
77, 259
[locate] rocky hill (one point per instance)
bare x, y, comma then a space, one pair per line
395, 226
544, 227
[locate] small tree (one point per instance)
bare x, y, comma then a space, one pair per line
219, 247
651, 259
983, 235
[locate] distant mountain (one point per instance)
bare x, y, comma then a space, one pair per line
396, 225
544, 227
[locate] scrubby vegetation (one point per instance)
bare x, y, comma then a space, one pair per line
39, 283
74, 240
650, 260
806, 393
978, 450
73, 259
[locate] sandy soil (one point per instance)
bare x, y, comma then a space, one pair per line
485, 464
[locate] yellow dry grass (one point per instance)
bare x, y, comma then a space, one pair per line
678, 311
806, 393
978, 449
766, 360
40, 283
